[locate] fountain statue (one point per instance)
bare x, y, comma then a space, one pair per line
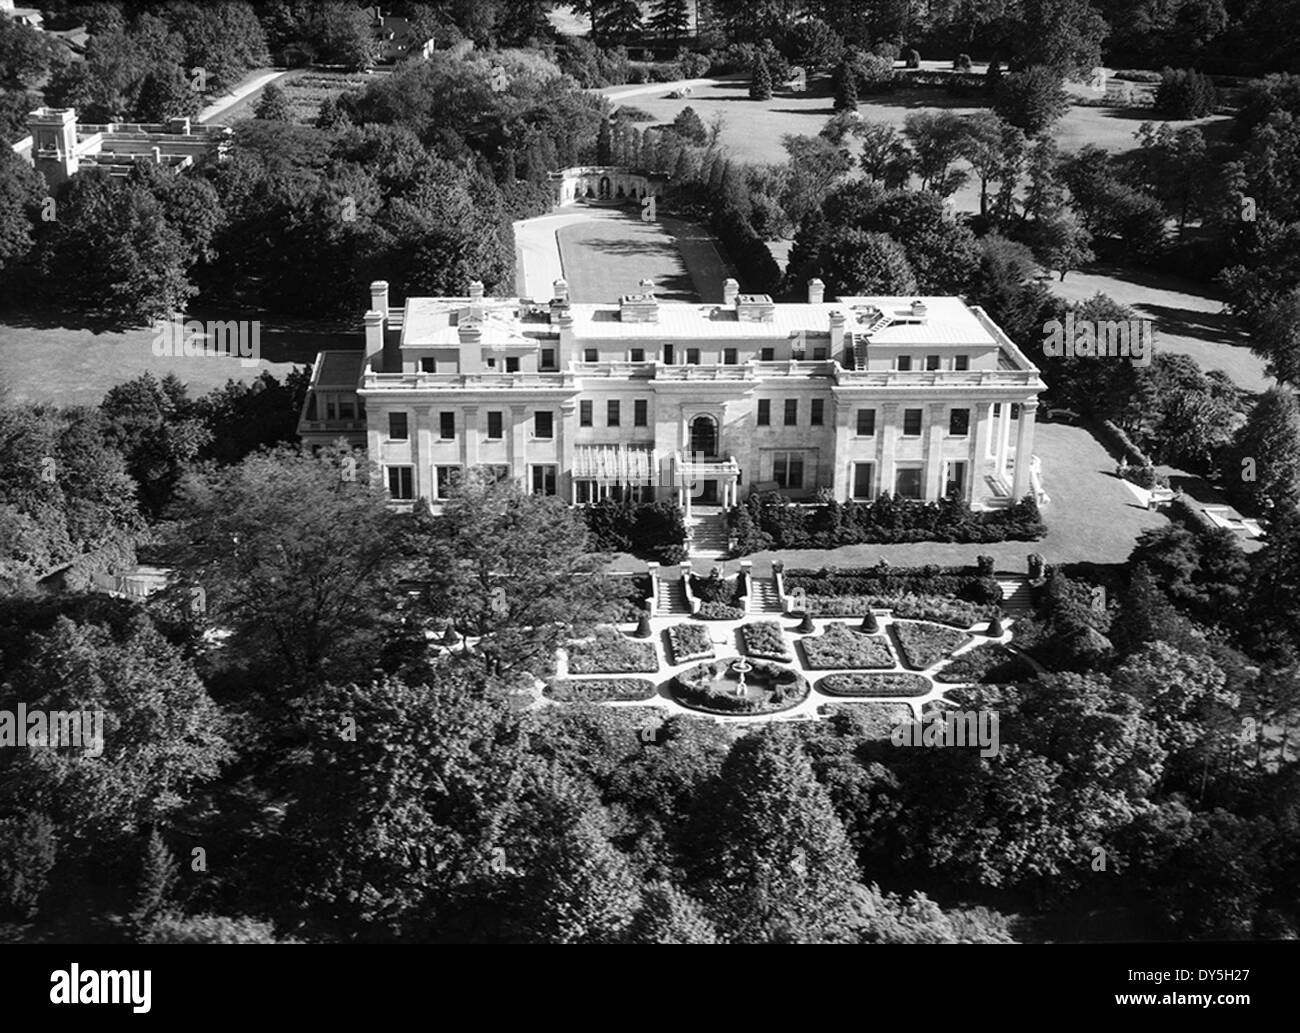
741, 667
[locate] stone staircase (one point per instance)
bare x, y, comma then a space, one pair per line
672, 597
1017, 596
763, 597
709, 535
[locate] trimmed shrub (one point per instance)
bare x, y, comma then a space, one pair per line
961, 63
765, 640
719, 612
713, 589
873, 685
841, 646
689, 126
689, 642
924, 645
760, 81
912, 58
654, 530
598, 690
610, 652
987, 664
1185, 93
960, 582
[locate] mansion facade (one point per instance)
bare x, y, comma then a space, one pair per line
704, 403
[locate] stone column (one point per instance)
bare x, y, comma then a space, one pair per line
469, 438
887, 435
1004, 439
842, 449
934, 452
421, 446
564, 446
517, 445
979, 448
1024, 449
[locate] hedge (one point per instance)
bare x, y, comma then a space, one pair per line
693, 688
765, 640
719, 612
649, 529
909, 685
929, 608
924, 645
689, 642
599, 690
769, 520
959, 582
612, 653
840, 646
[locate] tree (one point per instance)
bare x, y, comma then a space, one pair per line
1185, 93
21, 192
885, 154
28, 850
294, 555
273, 105
1263, 467
1276, 338
689, 126
26, 54
995, 149
1062, 242
1272, 611
857, 262
846, 87
775, 865
605, 144
1062, 35
171, 928
667, 915
671, 18
938, 139
511, 570
1032, 100
158, 874
760, 80
814, 44
1006, 288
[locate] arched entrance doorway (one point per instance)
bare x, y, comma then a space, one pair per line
704, 437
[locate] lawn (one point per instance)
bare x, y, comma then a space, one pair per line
41, 361
304, 88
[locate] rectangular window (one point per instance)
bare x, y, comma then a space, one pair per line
818, 410
961, 362
911, 422
668, 354
931, 362
904, 363
512, 364
819, 354
444, 478
638, 355
767, 355
907, 483
764, 412
730, 357
792, 412
428, 365
397, 426
866, 422
584, 414
692, 356
590, 355
584, 492
544, 426
547, 361
446, 425
495, 426
959, 423
544, 480
863, 475
955, 482
611, 413
400, 483
640, 413
787, 470
491, 363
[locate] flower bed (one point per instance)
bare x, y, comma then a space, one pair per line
612, 653
924, 645
599, 690
902, 685
874, 720
764, 639
689, 642
918, 607
719, 612
840, 646
970, 584
712, 688
989, 664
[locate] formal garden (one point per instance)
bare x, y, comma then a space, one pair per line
887, 641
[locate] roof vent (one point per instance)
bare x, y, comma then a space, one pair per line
638, 308
754, 308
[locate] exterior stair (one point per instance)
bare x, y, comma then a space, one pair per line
1017, 596
709, 535
672, 597
763, 597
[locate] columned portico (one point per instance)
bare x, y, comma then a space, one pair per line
1024, 450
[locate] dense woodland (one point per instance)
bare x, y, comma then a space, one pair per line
288, 758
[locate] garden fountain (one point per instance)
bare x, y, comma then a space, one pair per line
741, 667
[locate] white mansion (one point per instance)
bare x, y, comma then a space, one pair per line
702, 402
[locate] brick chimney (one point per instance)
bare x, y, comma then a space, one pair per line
730, 291
475, 290
816, 291
560, 289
